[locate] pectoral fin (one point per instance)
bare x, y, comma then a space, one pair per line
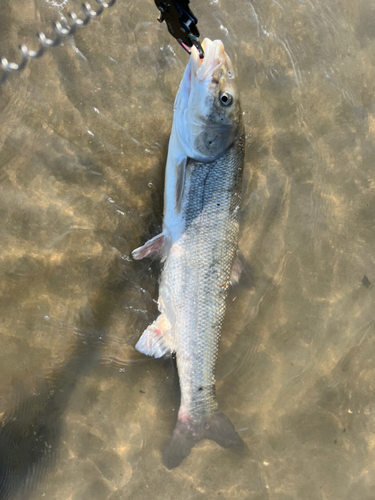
156, 340
180, 181
149, 249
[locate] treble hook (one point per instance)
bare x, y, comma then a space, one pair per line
60, 32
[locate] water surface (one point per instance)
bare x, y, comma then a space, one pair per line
84, 135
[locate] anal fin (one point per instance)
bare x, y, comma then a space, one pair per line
156, 340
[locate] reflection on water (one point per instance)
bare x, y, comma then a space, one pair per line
83, 139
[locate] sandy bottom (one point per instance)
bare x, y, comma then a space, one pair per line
83, 138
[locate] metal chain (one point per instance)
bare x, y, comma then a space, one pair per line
60, 31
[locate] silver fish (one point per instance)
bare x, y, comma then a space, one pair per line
198, 244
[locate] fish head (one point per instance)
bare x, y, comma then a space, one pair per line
210, 108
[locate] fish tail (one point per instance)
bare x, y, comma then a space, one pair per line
186, 433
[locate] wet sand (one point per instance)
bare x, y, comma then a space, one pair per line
83, 137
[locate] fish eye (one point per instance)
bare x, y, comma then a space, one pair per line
226, 98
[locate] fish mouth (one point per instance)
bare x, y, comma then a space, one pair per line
214, 56
195, 100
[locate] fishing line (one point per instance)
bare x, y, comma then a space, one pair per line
61, 32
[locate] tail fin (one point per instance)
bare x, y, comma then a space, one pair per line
218, 428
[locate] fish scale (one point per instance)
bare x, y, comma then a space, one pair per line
198, 273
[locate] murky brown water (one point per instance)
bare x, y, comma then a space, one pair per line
83, 134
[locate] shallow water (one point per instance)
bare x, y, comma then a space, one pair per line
84, 134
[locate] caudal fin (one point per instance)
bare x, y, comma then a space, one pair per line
218, 428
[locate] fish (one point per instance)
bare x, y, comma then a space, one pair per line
198, 244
